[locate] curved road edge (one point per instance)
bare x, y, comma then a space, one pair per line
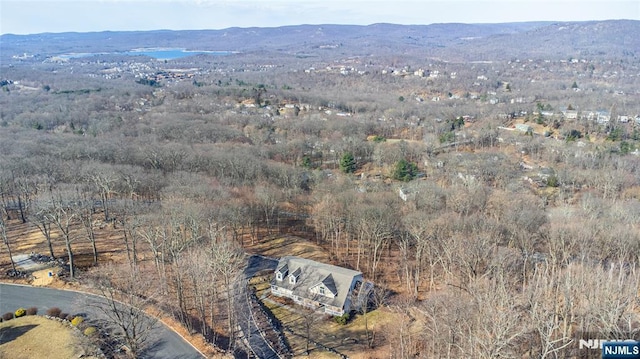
43, 302
251, 333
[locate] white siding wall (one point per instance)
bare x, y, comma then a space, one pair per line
316, 290
279, 291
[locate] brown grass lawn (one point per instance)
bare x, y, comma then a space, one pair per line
35, 337
286, 245
349, 339
26, 238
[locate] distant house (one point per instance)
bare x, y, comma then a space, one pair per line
603, 117
289, 110
406, 194
524, 128
591, 115
318, 286
570, 114
546, 172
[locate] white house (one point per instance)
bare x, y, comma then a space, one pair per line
570, 114
603, 117
317, 285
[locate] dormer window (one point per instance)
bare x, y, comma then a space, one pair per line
293, 277
326, 288
282, 272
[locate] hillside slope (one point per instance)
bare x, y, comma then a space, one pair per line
448, 41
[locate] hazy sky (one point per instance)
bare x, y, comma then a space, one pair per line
36, 16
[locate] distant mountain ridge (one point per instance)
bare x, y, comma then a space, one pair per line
450, 41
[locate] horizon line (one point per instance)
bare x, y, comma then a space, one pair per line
318, 24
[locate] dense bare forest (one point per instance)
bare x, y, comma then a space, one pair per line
494, 201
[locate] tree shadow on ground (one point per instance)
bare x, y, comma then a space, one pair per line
9, 334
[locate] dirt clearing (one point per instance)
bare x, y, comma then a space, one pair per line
44, 277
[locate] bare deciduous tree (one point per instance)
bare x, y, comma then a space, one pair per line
85, 214
61, 212
5, 240
544, 299
127, 297
38, 217
267, 200
497, 324
226, 260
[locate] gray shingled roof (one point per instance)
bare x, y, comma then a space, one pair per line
283, 269
330, 284
336, 279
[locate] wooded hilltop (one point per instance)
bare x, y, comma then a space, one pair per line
486, 178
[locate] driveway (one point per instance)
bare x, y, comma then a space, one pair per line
24, 262
246, 318
258, 263
167, 344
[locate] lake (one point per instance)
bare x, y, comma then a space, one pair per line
156, 53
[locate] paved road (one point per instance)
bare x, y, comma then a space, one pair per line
168, 344
246, 321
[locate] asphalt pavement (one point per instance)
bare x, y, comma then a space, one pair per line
242, 305
166, 343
